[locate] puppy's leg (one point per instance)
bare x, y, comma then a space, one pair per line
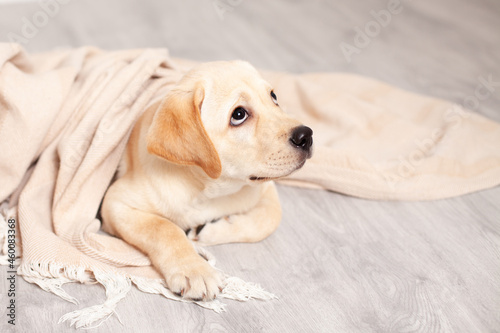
252, 226
173, 255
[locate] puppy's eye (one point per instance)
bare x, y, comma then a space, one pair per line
273, 96
239, 116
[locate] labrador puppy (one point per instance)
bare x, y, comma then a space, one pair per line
199, 167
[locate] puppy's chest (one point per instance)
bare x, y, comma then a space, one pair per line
202, 210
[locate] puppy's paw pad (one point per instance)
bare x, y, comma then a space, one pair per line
193, 233
216, 232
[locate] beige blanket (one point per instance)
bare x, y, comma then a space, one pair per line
64, 121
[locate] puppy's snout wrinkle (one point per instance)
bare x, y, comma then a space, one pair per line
302, 138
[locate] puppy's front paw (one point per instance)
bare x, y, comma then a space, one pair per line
194, 279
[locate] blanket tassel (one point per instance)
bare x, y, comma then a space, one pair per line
116, 286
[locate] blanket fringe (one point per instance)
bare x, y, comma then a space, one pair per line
117, 287
51, 277
240, 290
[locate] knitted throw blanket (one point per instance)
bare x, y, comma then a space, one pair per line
65, 117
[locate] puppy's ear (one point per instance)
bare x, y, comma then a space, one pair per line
177, 133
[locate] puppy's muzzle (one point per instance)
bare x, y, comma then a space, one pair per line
301, 138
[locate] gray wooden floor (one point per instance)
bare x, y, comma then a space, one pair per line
337, 263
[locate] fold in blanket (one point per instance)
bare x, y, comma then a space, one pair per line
376, 141
65, 118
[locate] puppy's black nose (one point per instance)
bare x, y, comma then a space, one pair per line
302, 137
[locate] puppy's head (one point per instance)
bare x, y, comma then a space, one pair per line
223, 117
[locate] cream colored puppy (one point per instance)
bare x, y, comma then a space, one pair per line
198, 165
